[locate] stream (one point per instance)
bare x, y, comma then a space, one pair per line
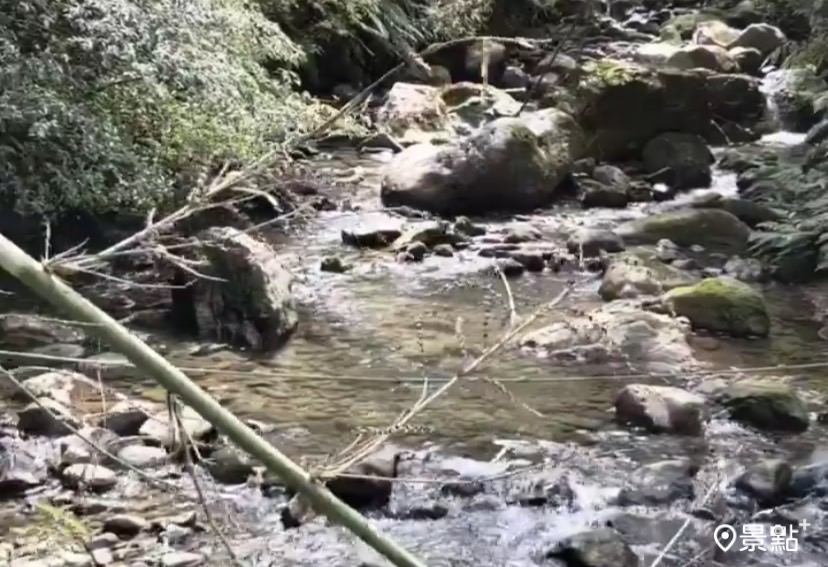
369, 337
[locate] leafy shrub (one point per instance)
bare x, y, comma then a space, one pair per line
121, 104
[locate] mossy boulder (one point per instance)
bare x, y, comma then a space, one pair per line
766, 404
712, 228
722, 304
749, 212
510, 164
640, 272
622, 106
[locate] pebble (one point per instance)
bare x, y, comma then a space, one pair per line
125, 525
94, 477
74, 559
102, 556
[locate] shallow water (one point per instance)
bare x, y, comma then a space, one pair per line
368, 338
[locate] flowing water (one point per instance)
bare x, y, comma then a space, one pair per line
368, 338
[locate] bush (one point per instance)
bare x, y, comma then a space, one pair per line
122, 104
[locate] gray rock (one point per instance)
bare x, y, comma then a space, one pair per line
21, 331
87, 476
661, 409
229, 465
767, 481
75, 450
62, 386
661, 483
257, 285
23, 465
143, 456
126, 417
601, 547
158, 429
682, 161
592, 242
46, 417
105, 540
125, 525
513, 164
377, 234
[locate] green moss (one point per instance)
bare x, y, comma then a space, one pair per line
766, 405
721, 304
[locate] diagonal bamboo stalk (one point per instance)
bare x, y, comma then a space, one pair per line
48, 286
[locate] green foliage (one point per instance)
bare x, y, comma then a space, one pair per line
123, 104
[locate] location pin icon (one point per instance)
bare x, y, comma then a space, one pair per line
724, 536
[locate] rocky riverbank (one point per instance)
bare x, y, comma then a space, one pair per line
595, 181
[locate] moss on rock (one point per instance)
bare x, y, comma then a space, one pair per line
721, 304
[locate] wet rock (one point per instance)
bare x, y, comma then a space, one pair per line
712, 57
22, 466
477, 174
681, 160
592, 242
126, 417
74, 450
444, 250
334, 265
46, 417
715, 33
638, 273
810, 479
766, 405
63, 386
429, 234
373, 235
748, 59
796, 93
229, 465
257, 287
463, 225
515, 78
595, 194
721, 304
519, 232
714, 229
764, 38
105, 540
158, 428
125, 525
72, 559
96, 478
618, 329
768, 481
602, 547
414, 252
661, 409
143, 456
21, 331
745, 269
182, 559
790, 256
749, 212
661, 483
533, 261
510, 267
414, 113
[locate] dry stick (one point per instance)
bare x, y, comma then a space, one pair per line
52, 289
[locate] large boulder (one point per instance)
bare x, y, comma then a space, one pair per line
683, 161
712, 228
510, 164
254, 304
622, 106
766, 404
721, 304
715, 33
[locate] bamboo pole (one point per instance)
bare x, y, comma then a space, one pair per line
48, 286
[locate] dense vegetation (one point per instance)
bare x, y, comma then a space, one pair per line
124, 104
